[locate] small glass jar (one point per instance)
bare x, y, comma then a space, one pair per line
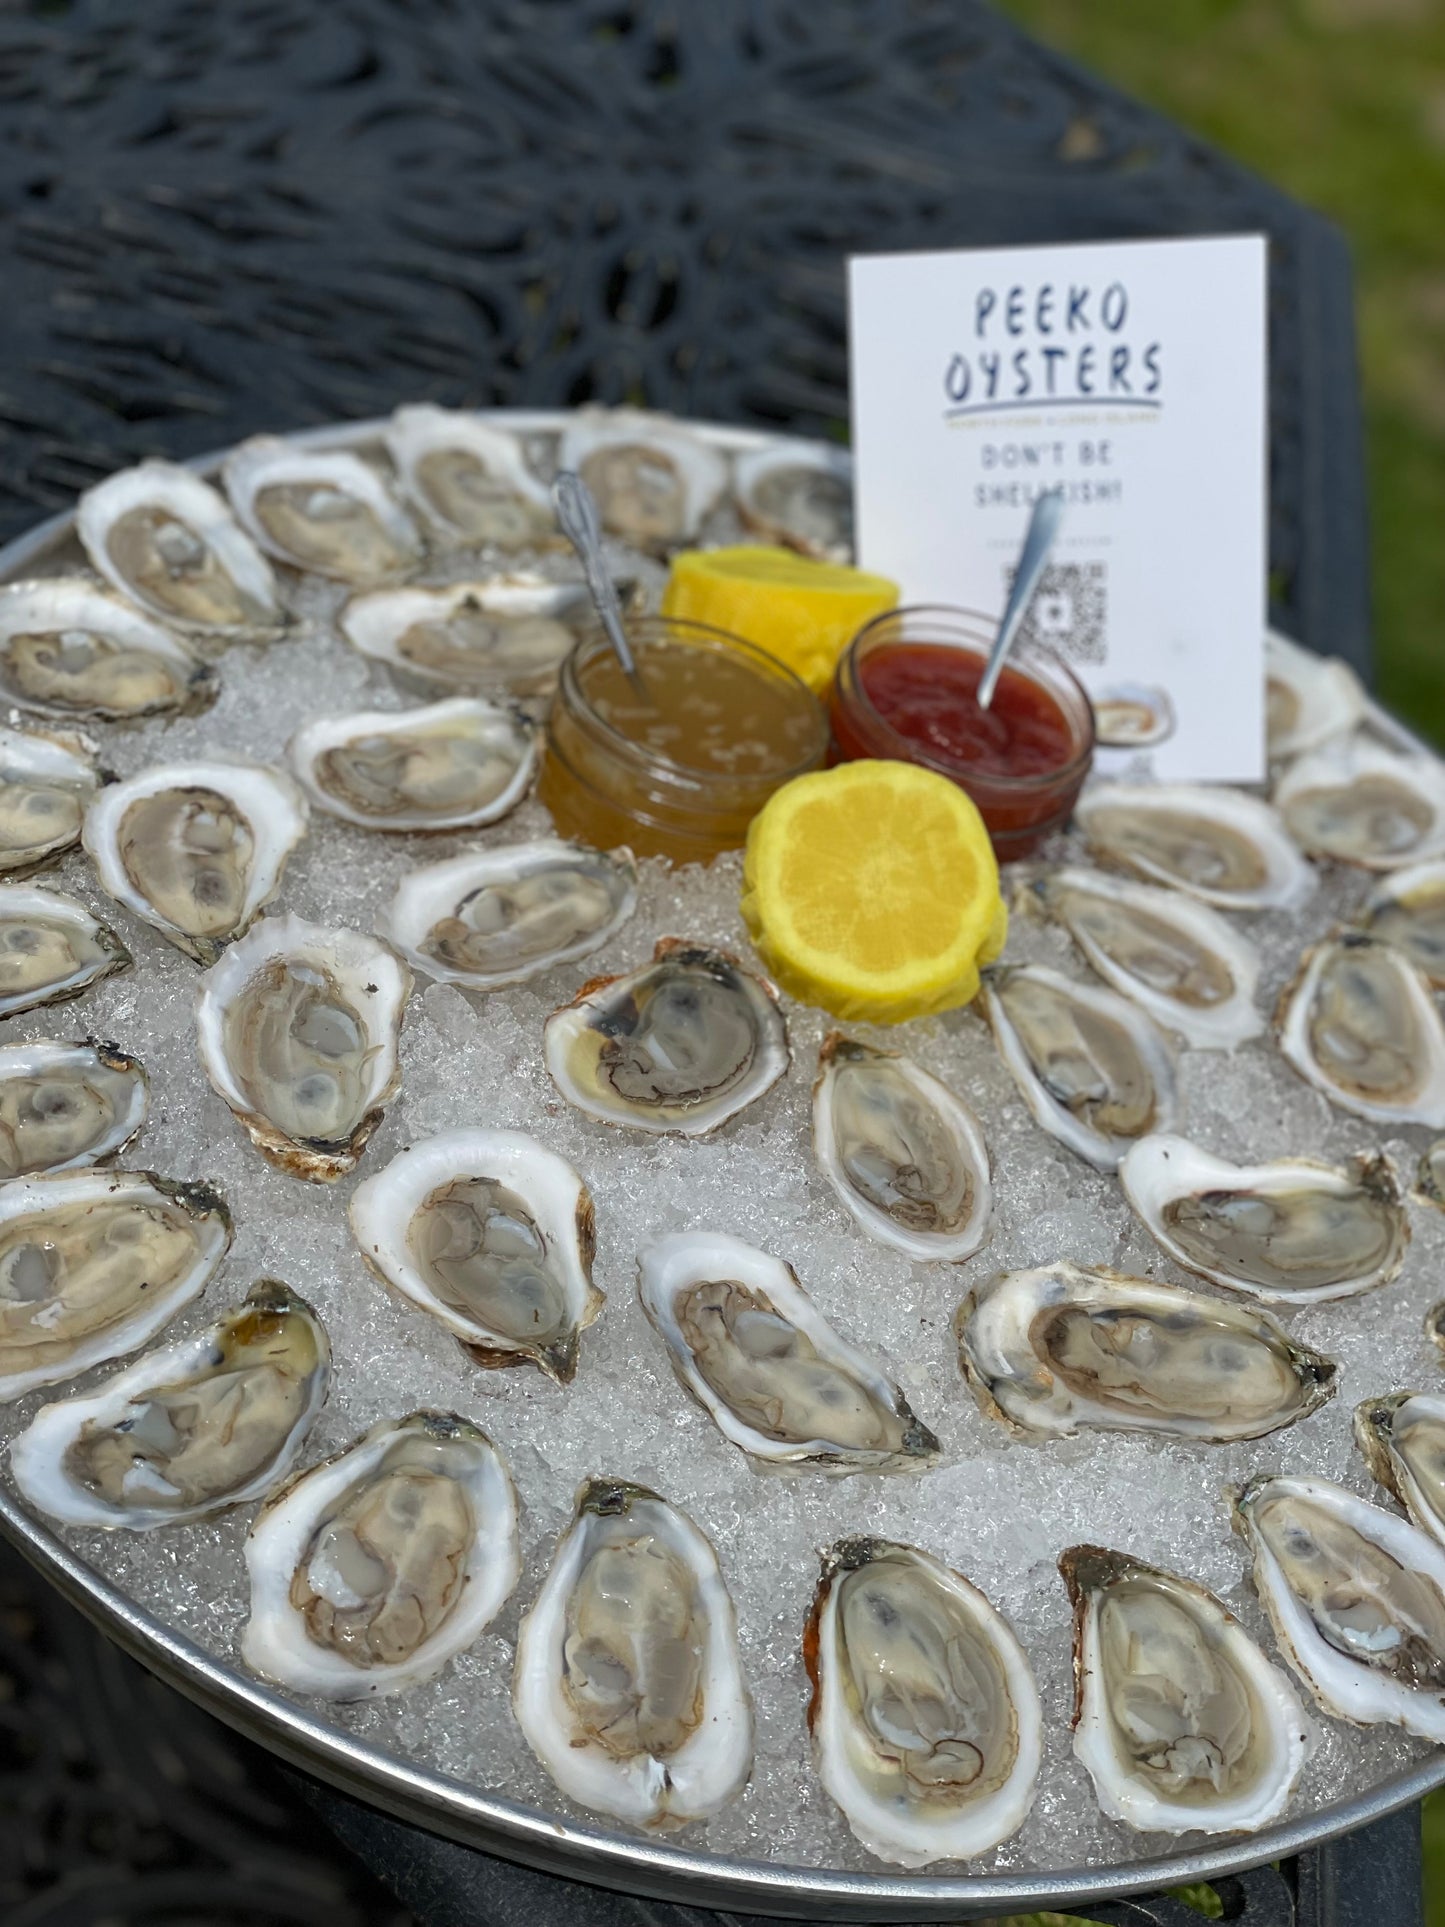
683, 774
1041, 721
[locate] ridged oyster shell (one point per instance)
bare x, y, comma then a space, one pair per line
196, 850
454, 765
298, 1028
1407, 911
1291, 1231
46, 781
1179, 1718
371, 1570
211, 1421
772, 1374
64, 1105
329, 512
506, 637
94, 1263
653, 479
468, 478
629, 1685
51, 948
1358, 802
494, 1236
1360, 1024
1402, 1439
801, 496
682, 1044
500, 916
1308, 698
1220, 845
905, 1155
924, 1720
1068, 1346
74, 651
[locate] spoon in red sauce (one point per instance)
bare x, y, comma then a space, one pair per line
1038, 540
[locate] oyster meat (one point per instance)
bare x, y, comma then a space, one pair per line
1189, 968
63, 1105
753, 1349
1069, 1346
93, 1263
1095, 1070
298, 1029
329, 512
1179, 1718
1132, 716
494, 1236
503, 915
1219, 845
629, 1685
1291, 1231
468, 478
905, 1154
71, 650
1407, 910
800, 495
1402, 1439
1356, 1596
196, 850
507, 637
51, 948
451, 766
1430, 1175
1360, 1024
1308, 698
211, 1421
373, 1569
1359, 802
653, 480
924, 1719
682, 1044
45, 784
166, 540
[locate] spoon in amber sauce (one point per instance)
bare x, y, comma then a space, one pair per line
1043, 527
580, 523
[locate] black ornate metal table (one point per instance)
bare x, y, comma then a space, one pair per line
227, 215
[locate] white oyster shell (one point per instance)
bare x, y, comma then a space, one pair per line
46, 782
167, 541
505, 637
65, 1105
1132, 715
1220, 845
1308, 698
777, 1380
925, 1718
468, 478
298, 1028
653, 480
801, 496
51, 948
94, 1263
1402, 1439
500, 916
1359, 1022
905, 1155
656, 1745
1407, 910
196, 850
211, 1421
1361, 803
454, 765
74, 651
358, 1591
493, 1235
326, 511
1291, 1232
1180, 1720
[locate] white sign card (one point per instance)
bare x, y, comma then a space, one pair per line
1129, 374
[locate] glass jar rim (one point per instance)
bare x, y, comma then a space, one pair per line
706, 633
1019, 657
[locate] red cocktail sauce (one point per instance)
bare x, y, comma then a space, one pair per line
928, 692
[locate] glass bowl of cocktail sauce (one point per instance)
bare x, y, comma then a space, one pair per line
907, 689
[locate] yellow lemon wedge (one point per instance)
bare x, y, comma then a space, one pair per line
872, 889
803, 612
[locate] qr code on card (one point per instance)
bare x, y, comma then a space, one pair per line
1069, 613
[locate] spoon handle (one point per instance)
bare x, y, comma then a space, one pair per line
1043, 527
580, 523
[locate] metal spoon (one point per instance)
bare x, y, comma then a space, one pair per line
582, 526
1043, 527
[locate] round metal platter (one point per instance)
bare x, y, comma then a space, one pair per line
574, 1850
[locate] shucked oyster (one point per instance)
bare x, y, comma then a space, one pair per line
328, 512
46, 782
71, 650
751, 1347
681, 1045
166, 540
1067, 1346
1356, 1597
1094, 1069
298, 1028
1180, 1719
1308, 698
925, 1717
1407, 911
1402, 1439
1360, 1024
904, 1154
500, 916
503, 638
63, 1105
1359, 802
492, 1234
93, 1263
468, 477
628, 1684
1133, 716
798, 494
51, 948
1190, 969
1220, 845
451, 766
208, 1422
653, 479
196, 849
1291, 1231
373, 1569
